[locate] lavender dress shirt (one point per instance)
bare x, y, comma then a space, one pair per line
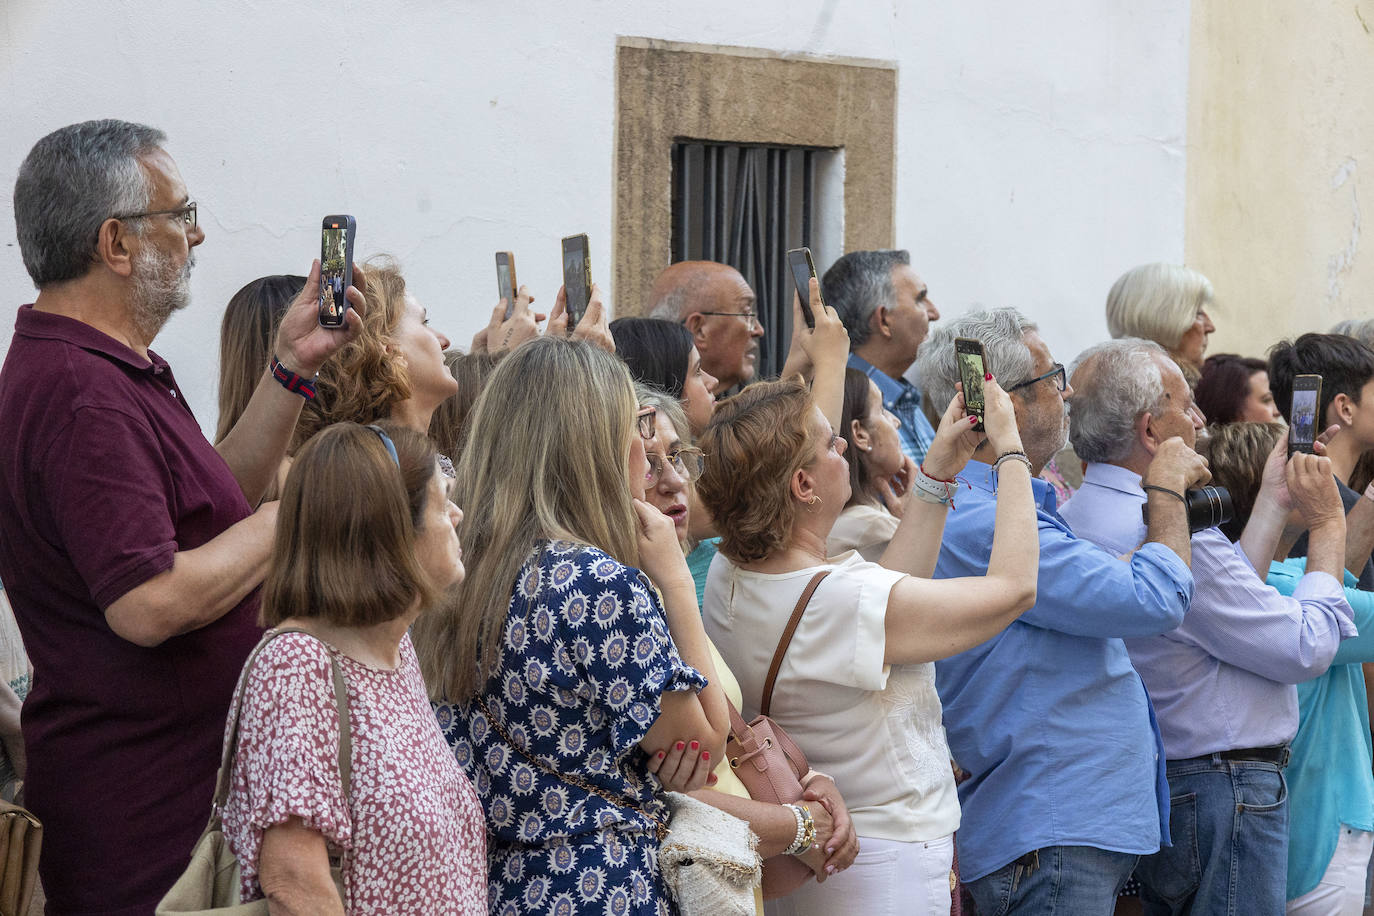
1224, 679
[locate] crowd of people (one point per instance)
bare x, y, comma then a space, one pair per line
472, 631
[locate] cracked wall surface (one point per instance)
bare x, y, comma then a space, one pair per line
1280, 162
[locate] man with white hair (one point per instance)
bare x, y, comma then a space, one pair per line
1048, 718
1222, 682
132, 551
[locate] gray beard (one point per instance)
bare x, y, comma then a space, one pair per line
158, 290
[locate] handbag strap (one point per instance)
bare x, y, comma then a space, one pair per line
786, 639
624, 801
231, 746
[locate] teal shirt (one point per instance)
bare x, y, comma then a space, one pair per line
1329, 778
699, 563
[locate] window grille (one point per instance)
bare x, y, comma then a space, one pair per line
746, 205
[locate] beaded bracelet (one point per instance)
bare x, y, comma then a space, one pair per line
931, 489
1014, 455
296, 384
806, 831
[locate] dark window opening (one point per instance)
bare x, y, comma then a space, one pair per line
745, 206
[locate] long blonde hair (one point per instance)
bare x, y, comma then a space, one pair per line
547, 457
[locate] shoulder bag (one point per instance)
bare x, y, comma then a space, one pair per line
210, 883
768, 762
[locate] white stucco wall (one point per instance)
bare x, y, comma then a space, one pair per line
1040, 146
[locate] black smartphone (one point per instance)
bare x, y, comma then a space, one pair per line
577, 277
1307, 398
972, 370
803, 269
505, 280
336, 268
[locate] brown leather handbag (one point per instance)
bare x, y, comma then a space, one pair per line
768, 762
21, 835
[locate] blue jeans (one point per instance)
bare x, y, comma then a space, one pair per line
1229, 823
1058, 881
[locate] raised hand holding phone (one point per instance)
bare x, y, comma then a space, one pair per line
972, 368
803, 272
1307, 399
577, 278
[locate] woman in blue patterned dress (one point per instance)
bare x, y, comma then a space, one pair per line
570, 687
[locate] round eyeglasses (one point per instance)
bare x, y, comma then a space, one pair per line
687, 463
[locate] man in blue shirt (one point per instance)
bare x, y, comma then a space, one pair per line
887, 311
1222, 683
1067, 778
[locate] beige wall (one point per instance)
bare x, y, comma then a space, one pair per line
1281, 164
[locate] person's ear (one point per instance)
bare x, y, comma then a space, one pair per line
1145, 433
115, 246
858, 434
878, 323
1341, 410
802, 486
695, 323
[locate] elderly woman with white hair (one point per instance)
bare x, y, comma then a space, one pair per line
1166, 303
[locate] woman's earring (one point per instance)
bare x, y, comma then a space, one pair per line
813, 502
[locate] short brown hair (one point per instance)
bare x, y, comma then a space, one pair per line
345, 540
754, 443
1236, 453
363, 382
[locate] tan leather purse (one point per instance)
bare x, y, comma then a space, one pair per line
210, 883
21, 837
768, 762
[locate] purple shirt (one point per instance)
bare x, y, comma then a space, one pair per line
104, 476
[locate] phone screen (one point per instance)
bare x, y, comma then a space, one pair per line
336, 268
972, 369
1303, 432
803, 269
577, 277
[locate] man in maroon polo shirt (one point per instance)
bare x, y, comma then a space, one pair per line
131, 551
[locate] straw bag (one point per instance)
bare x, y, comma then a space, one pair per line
21, 835
210, 883
768, 762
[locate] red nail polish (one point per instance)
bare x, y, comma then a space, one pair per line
695, 745
680, 745
705, 755
988, 377
660, 755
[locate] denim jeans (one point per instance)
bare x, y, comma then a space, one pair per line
1229, 823
1059, 881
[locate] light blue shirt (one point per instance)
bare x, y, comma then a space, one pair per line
1224, 679
1049, 717
1329, 778
904, 400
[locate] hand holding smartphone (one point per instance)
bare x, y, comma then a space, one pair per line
1307, 398
972, 372
506, 287
803, 270
336, 268
577, 277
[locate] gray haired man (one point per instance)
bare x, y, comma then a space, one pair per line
887, 310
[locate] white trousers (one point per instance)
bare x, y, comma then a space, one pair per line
1341, 889
886, 879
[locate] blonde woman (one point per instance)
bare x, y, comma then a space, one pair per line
565, 677
1166, 303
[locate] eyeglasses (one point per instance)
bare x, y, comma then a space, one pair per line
687, 463
187, 214
750, 317
647, 418
1057, 373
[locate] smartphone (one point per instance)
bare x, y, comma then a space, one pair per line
803, 269
972, 370
577, 277
1307, 398
336, 268
505, 280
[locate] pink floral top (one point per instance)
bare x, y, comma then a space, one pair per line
412, 835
